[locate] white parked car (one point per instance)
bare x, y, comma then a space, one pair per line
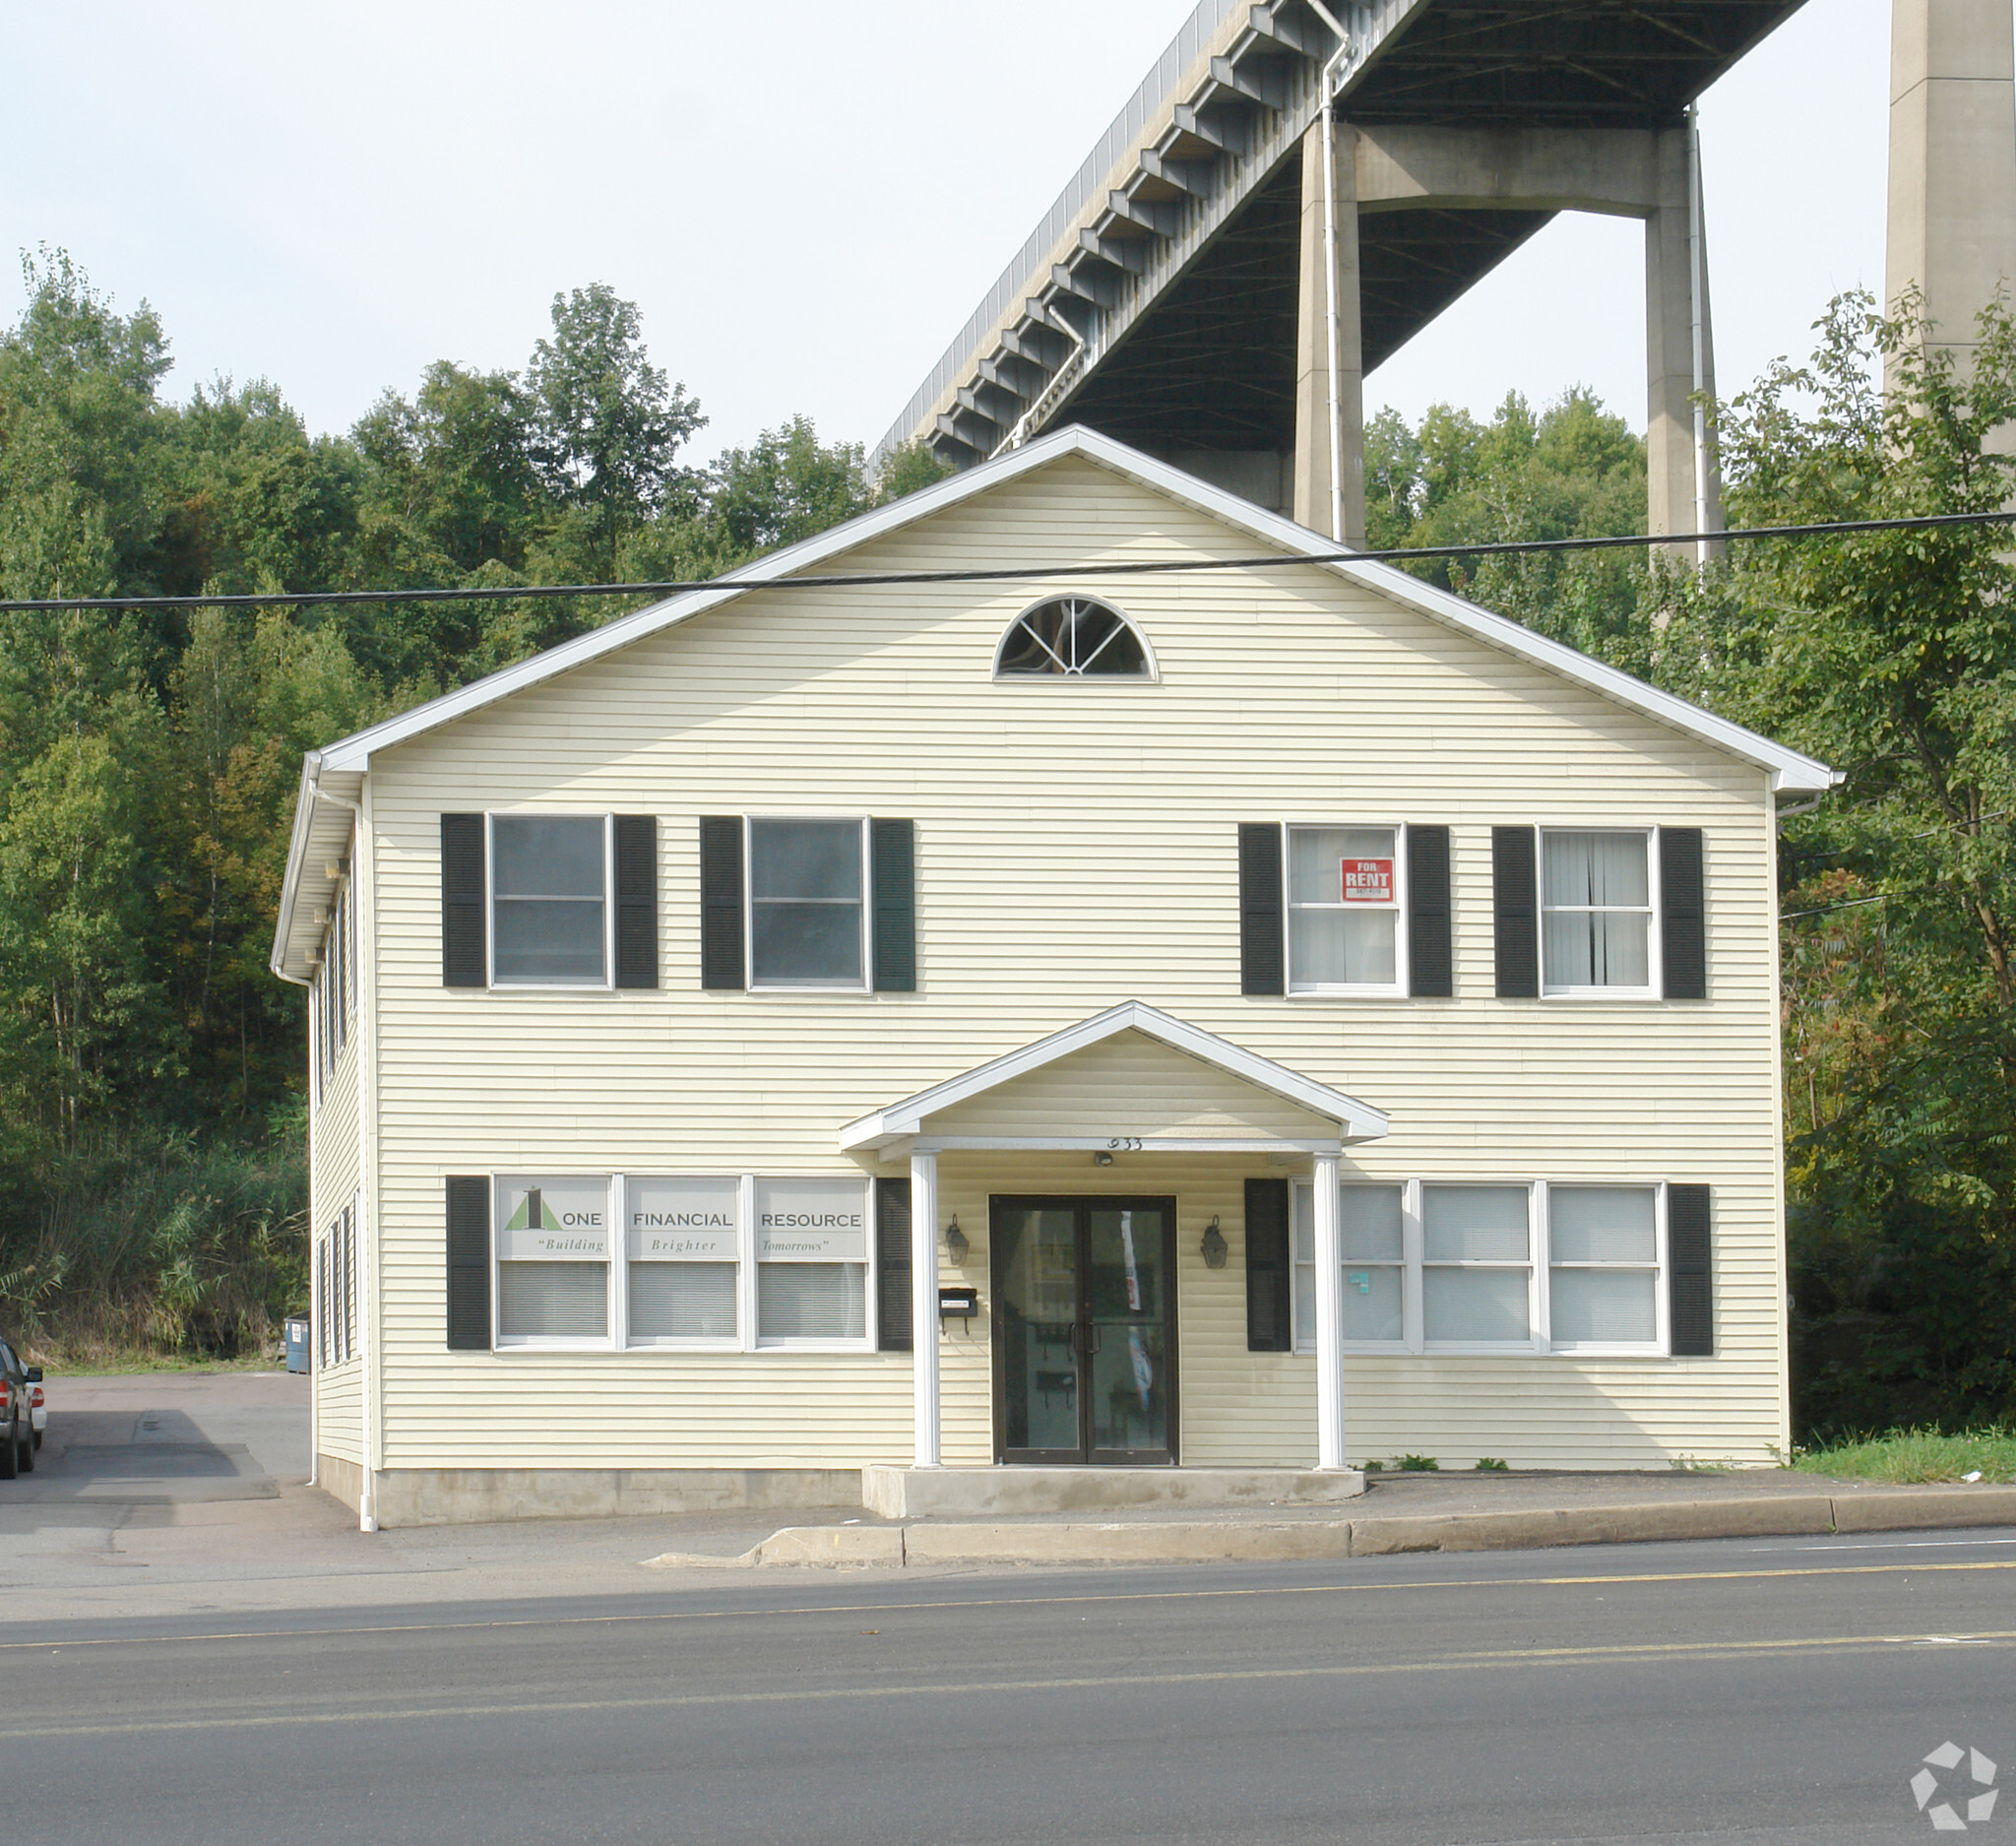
37, 1404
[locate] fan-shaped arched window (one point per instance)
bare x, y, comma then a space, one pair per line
1076, 637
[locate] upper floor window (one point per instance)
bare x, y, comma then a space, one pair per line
1344, 902
1076, 637
1596, 913
807, 919
549, 900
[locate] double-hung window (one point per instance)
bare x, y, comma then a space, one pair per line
1344, 907
553, 1257
1480, 1269
808, 923
1604, 1257
1476, 1266
1598, 911
549, 900
811, 1261
1372, 1222
684, 1252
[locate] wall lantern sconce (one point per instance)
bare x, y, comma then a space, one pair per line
1214, 1245
956, 1242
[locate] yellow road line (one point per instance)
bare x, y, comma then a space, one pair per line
265, 1719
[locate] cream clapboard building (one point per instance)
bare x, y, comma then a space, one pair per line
1264, 1017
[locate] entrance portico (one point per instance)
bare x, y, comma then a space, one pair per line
1135, 1086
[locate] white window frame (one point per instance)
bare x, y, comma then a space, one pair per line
1414, 1268
1395, 989
747, 1302
1661, 1344
606, 984
753, 1342
1303, 1198
620, 1285
866, 983
1653, 949
1152, 675
612, 1340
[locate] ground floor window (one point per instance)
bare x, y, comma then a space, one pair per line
1491, 1268
812, 1262
719, 1261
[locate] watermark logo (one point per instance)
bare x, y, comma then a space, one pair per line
1939, 1791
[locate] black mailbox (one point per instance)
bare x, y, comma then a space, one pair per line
963, 1301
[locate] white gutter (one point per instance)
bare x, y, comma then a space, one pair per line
1327, 83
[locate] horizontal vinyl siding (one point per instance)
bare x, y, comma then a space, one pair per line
340, 1392
1076, 846
332, 1183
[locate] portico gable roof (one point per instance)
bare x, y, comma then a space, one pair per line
1339, 1118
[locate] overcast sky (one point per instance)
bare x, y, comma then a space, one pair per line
806, 200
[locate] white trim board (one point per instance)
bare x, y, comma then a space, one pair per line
1358, 1121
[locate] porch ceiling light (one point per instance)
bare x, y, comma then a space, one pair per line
1214, 1245
956, 1242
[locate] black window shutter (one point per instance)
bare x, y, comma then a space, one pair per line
468, 1263
1691, 1299
721, 901
1261, 969
636, 901
1270, 1300
892, 1266
1431, 967
1683, 921
1515, 912
892, 877
465, 931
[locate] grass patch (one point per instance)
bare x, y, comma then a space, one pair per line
1420, 1464
1903, 1457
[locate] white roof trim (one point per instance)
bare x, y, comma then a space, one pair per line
1790, 773
1357, 1121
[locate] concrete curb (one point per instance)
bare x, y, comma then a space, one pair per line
1206, 1541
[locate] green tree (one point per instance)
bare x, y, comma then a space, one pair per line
608, 425
1893, 657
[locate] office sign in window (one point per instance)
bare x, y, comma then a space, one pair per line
812, 1259
694, 1221
552, 1246
683, 1237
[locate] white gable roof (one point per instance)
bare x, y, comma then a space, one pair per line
343, 763
1356, 1120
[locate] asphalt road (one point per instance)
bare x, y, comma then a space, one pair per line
1782, 1691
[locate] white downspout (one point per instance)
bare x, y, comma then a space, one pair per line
1697, 291
1327, 84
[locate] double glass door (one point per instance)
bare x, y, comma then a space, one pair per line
1085, 1329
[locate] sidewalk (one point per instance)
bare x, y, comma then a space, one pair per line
1406, 1512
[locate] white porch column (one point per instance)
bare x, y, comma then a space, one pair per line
1329, 1317
924, 1305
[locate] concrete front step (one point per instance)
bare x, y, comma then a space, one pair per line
893, 1492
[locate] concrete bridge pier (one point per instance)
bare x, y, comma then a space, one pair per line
1952, 229
1647, 174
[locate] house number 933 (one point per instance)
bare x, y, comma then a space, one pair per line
1126, 1144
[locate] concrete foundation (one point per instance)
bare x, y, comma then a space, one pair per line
893, 1492
408, 1496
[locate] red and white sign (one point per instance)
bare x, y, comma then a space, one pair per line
1368, 881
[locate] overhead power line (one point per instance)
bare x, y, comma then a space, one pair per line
869, 580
